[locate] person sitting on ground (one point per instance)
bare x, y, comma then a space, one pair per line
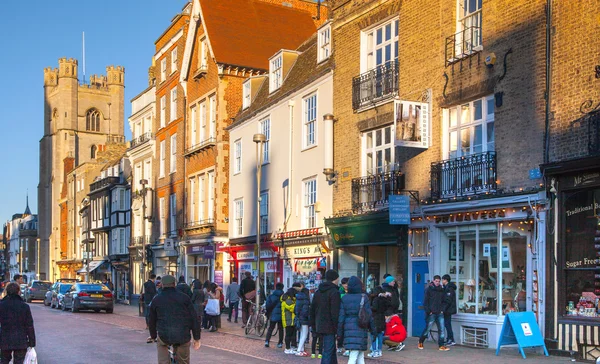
395, 333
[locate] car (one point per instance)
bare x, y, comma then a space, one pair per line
88, 296
59, 294
50, 293
36, 290
23, 289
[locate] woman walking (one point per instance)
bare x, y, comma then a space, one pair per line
380, 303
214, 294
288, 303
198, 298
17, 332
302, 320
352, 330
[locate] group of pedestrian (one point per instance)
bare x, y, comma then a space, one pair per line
440, 304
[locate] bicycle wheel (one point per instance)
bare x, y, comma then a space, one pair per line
261, 325
249, 325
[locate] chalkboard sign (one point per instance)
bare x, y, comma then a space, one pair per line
522, 329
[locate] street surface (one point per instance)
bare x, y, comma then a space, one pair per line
88, 337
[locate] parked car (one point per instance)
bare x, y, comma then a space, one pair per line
50, 293
23, 289
36, 290
88, 296
58, 296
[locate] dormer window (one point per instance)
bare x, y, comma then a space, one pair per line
276, 73
246, 95
324, 43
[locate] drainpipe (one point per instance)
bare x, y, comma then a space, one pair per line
290, 164
548, 80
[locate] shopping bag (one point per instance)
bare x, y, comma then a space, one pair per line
31, 356
212, 307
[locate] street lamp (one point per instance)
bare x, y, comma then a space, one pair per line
259, 139
143, 182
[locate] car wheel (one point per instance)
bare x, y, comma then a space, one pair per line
28, 300
64, 308
96, 310
109, 310
74, 309
46, 304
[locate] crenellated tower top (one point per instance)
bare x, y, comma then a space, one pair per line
67, 67
116, 75
50, 76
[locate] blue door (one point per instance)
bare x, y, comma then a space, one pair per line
420, 272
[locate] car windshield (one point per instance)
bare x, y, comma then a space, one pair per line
64, 288
92, 287
45, 285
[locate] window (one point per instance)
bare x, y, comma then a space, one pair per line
201, 195
469, 24
194, 126
161, 212
163, 109
246, 94
213, 117
264, 212
173, 110
93, 150
148, 173
471, 128
161, 167
237, 152
239, 217
173, 215
92, 120
378, 151
276, 73
202, 121
203, 59
174, 60
324, 43
381, 44
310, 118
265, 128
310, 200
173, 161
211, 195
122, 241
192, 200
163, 69
122, 199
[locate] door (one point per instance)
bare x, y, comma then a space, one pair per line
420, 272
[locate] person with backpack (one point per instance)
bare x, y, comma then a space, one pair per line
355, 321
450, 298
302, 320
380, 303
288, 304
273, 307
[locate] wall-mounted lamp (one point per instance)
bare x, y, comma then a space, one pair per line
331, 175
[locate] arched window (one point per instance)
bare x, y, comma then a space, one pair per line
92, 120
93, 152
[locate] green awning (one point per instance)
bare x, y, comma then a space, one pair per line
360, 230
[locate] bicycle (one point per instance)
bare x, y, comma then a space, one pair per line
173, 353
257, 321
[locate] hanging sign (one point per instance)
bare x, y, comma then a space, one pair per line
169, 245
219, 278
399, 209
209, 252
306, 265
522, 329
412, 124
305, 251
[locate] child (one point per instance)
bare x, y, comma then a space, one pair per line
381, 302
288, 303
395, 333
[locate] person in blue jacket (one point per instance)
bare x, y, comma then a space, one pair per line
354, 337
273, 306
302, 320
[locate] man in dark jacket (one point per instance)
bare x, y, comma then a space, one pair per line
389, 285
172, 316
149, 293
450, 298
273, 307
434, 305
184, 287
324, 314
17, 326
247, 292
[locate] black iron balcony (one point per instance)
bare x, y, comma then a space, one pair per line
371, 192
141, 139
464, 176
104, 182
209, 142
376, 85
199, 224
463, 44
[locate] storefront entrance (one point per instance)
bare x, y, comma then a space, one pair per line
420, 278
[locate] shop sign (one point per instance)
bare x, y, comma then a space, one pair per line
245, 267
247, 255
194, 250
399, 209
584, 263
169, 245
270, 266
303, 251
360, 231
267, 253
306, 265
209, 252
219, 278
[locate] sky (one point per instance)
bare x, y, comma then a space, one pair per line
35, 34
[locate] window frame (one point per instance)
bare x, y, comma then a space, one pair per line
203, 61
210, 176
173, 109
173, 154
193, 125
306, 121
309, 202
374, 169
471, 124
264, 127
370, 46
192, 182
276, 72
161, 214
162, 157
173, 214
324, 43
163, 111
237, 156
174, 60
163, 69
246, 94
212, 116
238, 227
264, 212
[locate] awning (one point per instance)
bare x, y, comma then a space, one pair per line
93, 265
362, 230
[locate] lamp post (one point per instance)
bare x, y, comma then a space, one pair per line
259, 139
143, 182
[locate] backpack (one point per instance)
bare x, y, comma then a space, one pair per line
364, 318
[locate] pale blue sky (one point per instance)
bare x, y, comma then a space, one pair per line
34, 34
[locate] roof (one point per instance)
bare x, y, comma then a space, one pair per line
248, 32
304, 71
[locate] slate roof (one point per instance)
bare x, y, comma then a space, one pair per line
247, 32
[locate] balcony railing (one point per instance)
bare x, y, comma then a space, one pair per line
139, 240
141, 139
463, 44
199, 224
371, 192
104, 182
464, 176
201, 145
376, 85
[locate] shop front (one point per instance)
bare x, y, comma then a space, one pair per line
199, 262
97, 269
242, 258
120, 278
165, 259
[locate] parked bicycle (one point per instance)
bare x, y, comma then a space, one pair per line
257, 321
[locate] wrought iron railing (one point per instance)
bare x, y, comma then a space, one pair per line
104, 182
468, 175
199, 224
463, 44
372, 192
141, 139
201, 145
375, 85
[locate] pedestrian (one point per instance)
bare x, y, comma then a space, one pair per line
302, 311
450, 297
172, 317
233, 298
198, 298
288, 303
158, 285
343, 290
215, 293
247, 294
354, 335
317, 342
434, 304
395, 332
18, 332
390, 285
380, 304
206, 290
147, 296
110, 285
18, 279
183, 287
273, 308
324, 314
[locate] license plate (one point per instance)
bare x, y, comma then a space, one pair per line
96, 296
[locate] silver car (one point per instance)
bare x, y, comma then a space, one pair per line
51, 292
58, 296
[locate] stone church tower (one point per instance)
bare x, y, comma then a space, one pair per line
80, 119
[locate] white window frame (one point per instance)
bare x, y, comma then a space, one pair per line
264, 212
466, 18
237, 155
173, 158
192, 199
211, 195
212, 116
163, 69
163, 111
173, 110
203, 61
238, 227
309, 120
173, 214
147, 170
276, 72
264, 127
465, 120
371, 166
246, 94
202, 138
201, 196
161, 211
194, 125
324, 43
174, 60
370, 44
309, 214
162, 156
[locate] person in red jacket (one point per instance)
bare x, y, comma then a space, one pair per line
395, 333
